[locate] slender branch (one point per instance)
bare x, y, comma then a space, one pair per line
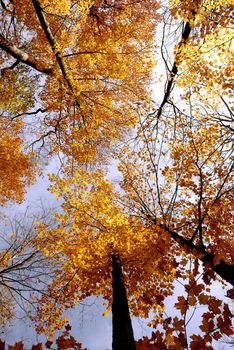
21, 263
172, 74
22, 56
227, 106
3, 5
29, 113
50, 38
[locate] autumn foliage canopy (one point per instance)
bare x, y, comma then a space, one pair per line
145, 87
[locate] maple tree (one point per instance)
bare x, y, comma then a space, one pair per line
180, 174
105, 249
90, 63
183, 180
93, 234
90, 58
177, 182
202, 51
67, 71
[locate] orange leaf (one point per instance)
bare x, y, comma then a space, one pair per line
181, 305
37, 347
18, 346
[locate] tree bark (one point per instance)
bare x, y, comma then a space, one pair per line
123, 338
51, 40
22, 56
172, 74
224, 270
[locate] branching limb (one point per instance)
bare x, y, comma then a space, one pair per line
22, 56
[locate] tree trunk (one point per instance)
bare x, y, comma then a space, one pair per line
123, 338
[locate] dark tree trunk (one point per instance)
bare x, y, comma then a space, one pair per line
123, 338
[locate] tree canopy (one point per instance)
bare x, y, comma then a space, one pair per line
148, 86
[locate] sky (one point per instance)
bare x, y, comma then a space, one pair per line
88, 325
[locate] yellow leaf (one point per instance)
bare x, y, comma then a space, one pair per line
106, 313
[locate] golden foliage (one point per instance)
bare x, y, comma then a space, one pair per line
90, 229
16, 166
91, 63
101, 59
